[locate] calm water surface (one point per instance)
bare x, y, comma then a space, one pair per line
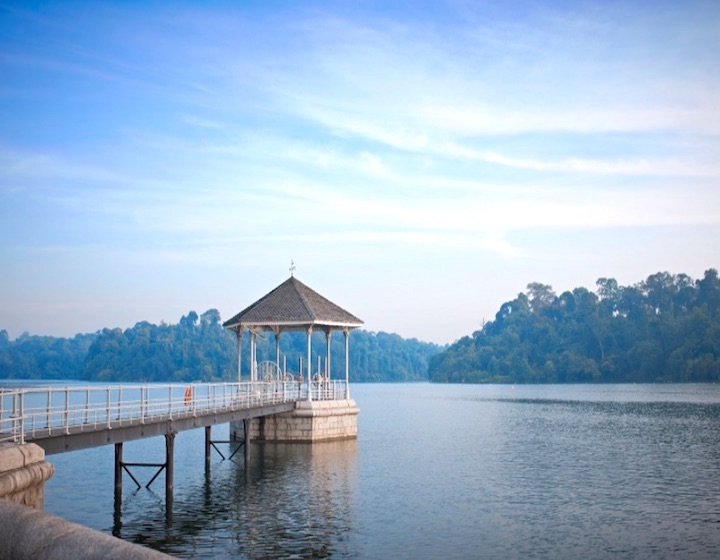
437, 471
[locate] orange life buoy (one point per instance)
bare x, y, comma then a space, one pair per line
188, 396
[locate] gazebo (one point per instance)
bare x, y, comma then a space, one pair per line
292, 306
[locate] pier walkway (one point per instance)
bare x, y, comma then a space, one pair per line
74, 417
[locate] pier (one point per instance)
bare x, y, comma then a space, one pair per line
71, 418
273, 405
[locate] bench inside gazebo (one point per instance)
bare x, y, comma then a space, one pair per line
326, 411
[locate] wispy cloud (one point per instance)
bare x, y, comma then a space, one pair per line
643, 167
472, 84
227, 137
201, 122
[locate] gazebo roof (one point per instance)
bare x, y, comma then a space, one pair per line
292, 305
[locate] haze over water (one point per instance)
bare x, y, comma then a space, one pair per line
438, 471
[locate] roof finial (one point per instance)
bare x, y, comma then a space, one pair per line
292, 267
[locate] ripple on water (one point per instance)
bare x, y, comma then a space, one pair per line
439, 472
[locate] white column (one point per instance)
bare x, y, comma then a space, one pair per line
253, 356
277, 348
309, 363
347, 364
327, 357
239, 337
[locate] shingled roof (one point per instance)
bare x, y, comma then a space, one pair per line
292, 305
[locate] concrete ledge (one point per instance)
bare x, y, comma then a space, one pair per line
14, 456
312, 409
23, 472
30, 534
21, 479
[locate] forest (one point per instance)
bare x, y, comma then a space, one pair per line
198, 348
663, 329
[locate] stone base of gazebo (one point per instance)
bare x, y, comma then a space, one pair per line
310, 422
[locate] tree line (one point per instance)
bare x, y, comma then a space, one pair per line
198, 348
663, 329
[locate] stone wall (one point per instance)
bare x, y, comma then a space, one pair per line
23, 472
311, 421
29, 534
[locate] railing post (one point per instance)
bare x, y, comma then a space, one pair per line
22, 418
49, 406
108, 407
119, 407
171, 400
67, 410
18, 417
15, 414
87, 405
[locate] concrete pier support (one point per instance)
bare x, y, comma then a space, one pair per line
168, 466
118, 469
208, 445
23, 472
311, 421
169, 476
246, 431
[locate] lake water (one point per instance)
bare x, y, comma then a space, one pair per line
437, 471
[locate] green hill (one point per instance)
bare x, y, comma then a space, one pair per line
664, 329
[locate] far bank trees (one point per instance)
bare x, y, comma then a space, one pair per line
663, 329
198, 348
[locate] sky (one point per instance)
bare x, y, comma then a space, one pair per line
420, 162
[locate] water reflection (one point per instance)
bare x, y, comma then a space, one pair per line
284, 500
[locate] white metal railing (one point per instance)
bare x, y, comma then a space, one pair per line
27, 414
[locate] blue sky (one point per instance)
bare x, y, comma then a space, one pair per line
421, 162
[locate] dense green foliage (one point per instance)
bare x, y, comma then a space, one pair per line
198, 348
664, 329
47, 357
